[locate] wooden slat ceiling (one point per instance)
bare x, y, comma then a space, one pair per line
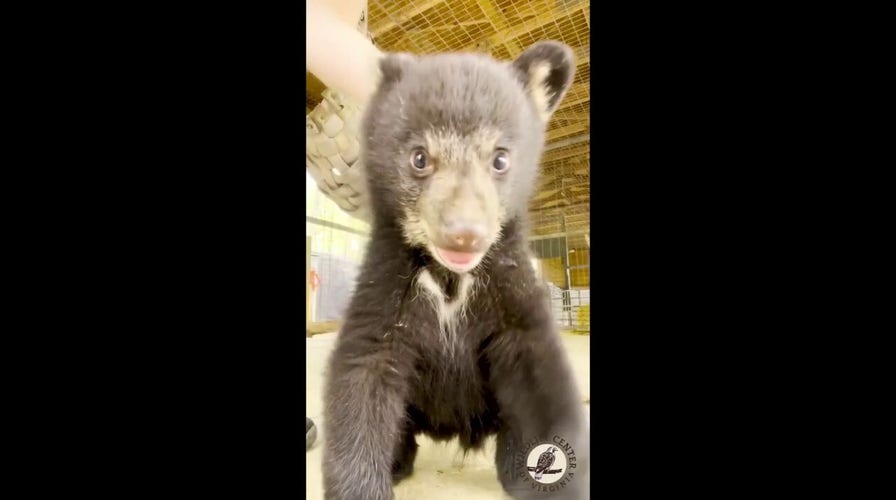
504, 28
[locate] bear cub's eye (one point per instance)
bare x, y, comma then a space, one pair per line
501, 162
420, 161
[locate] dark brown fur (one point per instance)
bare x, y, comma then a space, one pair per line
391, 378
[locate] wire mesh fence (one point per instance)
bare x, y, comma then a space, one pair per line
335, 248
563, 262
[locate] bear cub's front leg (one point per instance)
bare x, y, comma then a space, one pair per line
364, 409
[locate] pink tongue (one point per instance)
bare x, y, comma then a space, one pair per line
456, 257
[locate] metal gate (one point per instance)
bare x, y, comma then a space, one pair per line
563, 262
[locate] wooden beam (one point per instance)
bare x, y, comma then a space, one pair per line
567, 130
448, 26
555, 228
552, 156
576, 166
577, 218
544, 210
543, 236
570, 116
581, 161
570, 199
395, 18
550, 204
541, 232
545, 194
555, 195
551, 217
569, 141
557, 175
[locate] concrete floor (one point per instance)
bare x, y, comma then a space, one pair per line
440, 470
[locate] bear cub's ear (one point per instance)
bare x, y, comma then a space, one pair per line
546, 70
392, 66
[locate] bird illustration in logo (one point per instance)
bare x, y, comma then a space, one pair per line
545, 461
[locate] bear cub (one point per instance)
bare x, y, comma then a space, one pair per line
449, 332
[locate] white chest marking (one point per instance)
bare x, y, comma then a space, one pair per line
448, 312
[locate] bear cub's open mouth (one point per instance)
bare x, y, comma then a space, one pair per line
459, 262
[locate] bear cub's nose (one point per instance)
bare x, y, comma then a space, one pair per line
464, 237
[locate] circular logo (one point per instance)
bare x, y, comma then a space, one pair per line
546, 463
